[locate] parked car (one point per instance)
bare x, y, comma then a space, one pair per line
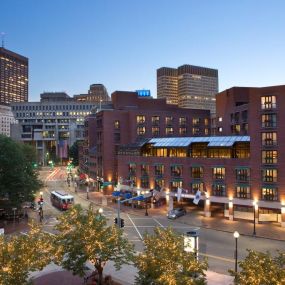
175, 213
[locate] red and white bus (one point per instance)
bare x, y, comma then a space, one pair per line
61, 200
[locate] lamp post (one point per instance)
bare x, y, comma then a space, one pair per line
87, 189
236, 236
146, 213
100, 211
255, 208
41, 193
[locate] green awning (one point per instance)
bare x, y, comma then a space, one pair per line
243, 184
269, 186
158, 164
175, 165
176, 179
242, 167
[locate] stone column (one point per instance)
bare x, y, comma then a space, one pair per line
283, 216
207, 207
231, 210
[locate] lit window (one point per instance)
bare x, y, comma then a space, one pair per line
269, 175
269, 138
269, 193
269, 156
140, 131
268, 102
220, 119
243, 192
140, 119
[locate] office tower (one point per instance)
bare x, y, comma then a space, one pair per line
188, 86
13, 77
167, 84
97, 94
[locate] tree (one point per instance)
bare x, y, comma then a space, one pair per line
84, 236
73, 153
22, 254
18, 177
260, 268
165, 262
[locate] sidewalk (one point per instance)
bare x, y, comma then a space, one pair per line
195, 217
53, 274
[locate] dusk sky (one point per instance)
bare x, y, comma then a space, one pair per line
120, 43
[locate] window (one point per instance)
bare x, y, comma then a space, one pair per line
269, 175
140, 131
269, 120
169, 131
220, 129
269, 139
220, 119
132, 169
219, 173
182, 131
168, 120
159, 184
175, 184
182, 121
117, 125
269, 156
155, 131
196, 186
243, 192
242, 174
196, 131
206, 121
244, 116
155, 120
176, 170
144, 170
269, 193
144, 182
140, 119
197, 172
159, 169
196, 121
268, 102
219, 190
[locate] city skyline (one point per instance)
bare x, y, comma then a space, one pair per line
122, 44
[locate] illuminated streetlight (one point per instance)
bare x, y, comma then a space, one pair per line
255, 208
100, 211
236, 236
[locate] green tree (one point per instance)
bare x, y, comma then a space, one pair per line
84, 236
165, 262
73, 153
18, 177
260, 268
22, 254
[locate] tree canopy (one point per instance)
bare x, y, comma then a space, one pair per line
84, 236
73, 153
261, 268
22, 254
18, 178
165, 262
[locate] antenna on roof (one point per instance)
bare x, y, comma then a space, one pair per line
3, 39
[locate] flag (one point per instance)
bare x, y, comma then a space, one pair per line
197, 197
179, 193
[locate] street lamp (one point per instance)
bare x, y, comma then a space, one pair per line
255, 208
41, 193
236, 236
146, 213
87, 189
100, 211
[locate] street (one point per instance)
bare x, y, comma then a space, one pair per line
217, 246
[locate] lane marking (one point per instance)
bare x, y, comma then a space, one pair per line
135, 227
159, 223
217, 257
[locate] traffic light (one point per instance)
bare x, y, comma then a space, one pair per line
122, 223
116, 221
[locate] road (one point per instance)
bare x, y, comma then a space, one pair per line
217, 246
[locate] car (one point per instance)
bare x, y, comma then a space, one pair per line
175, 213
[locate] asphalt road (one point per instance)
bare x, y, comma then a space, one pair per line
217, 246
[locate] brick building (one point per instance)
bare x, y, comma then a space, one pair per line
133, 118
240, 171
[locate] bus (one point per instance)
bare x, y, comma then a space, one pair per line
61, 200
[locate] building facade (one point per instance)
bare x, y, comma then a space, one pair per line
241, 171
13, 77
133, 119
51, 125
188, 86
97, 94
6, 119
